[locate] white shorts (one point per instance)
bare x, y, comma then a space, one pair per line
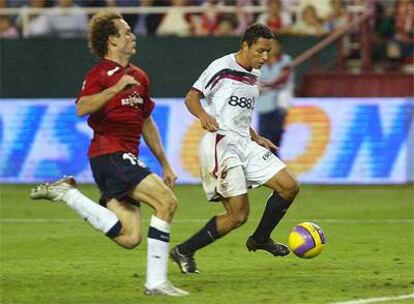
231, 164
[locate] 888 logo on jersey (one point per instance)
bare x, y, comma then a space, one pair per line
242, 102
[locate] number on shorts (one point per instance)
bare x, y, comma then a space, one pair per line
131, 157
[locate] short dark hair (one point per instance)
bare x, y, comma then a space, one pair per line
100, 27
256, 31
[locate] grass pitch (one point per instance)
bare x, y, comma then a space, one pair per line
48, 255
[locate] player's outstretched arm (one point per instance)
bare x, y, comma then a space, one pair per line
153, 140
90, 104
193, 104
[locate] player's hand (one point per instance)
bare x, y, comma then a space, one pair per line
264, 142
126, 81
208, 122
169, 177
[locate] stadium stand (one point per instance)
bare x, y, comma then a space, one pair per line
372, 39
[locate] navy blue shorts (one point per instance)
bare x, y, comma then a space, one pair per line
116, 175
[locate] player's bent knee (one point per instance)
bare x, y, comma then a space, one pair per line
172, 201
172, 204
167, 202
291, 189
238, 220
132, 241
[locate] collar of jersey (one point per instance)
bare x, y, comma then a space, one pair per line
114, 64
235, 59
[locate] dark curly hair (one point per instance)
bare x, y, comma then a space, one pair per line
100, 27
256, 31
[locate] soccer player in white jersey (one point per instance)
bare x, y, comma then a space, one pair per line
233, 156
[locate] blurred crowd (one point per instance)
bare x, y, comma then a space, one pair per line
304, 17
393, 22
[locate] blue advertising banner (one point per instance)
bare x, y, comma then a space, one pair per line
332, 140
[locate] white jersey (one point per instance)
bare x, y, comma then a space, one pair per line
231, 92
230, 161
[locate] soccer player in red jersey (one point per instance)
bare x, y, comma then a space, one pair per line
115, 95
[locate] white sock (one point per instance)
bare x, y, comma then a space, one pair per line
98, 217
157, 255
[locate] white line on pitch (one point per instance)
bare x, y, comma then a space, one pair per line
378, 300
184, 221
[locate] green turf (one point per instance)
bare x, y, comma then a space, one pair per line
49, 256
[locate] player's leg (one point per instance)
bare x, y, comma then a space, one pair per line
115, 175
285, 188
125, 178
233, 191
237, 211
236, 214
152, 191
264, 168
129, 215
285, 184
65, 189
120, 221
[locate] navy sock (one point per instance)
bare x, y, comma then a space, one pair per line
207, 235
115, 230
154, 233
275, 210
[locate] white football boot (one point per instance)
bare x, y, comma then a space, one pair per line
53, 191
165, 289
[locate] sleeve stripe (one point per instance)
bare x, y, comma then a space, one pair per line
195, 89
232, 74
